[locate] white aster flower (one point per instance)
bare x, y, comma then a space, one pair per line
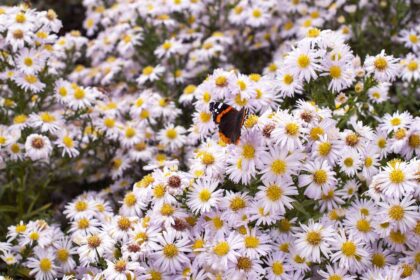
314, 239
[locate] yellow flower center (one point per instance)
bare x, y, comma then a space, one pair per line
198, 244
348, 248
239, 164
109, 123
47, 118
34, 236
256, 13
396, 176
378, 260
407, 270
124, 223
303, 61
205, 117
348, 162
274, 192
272, 67
288, 25
414, 141
83, 223
19, 119
244, 263
221, 81
167, 209
400, 133
381, 143
31, 79
20, 18
314, 238
130, 199
313, 32
316, 132
221, 249
251, 121
278, 167
364, 211
277, 268
167, 45
116, 163
94, 241
240, 101
417, 258
324, 148
155, 275
412, 66
413, 38
217, 222
20, 228
206, 97
380, 63
284, 225
45, 264
141, 237
292, 129
148, 70
284, 247
363, 225
241, 84
397, 237
320, 177
189, 89
28, 61
238, 10
144, 114
68, 142
237, 203
80, 206
248, 151
395, 121
288, 79
18, 34
130, 132
368, 162
163, 102
120, 266
171, 133
159, 191
204, 195
335, 71
396, 212
252, 242
170, 251
62, 254
352, 139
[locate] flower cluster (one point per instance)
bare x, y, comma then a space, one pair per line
323, 183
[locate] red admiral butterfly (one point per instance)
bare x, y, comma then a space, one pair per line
230, 121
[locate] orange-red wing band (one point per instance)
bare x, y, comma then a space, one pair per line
224, 138
221, 114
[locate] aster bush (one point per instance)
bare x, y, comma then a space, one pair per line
114, 164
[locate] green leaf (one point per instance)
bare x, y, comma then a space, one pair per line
7, 208
39, 210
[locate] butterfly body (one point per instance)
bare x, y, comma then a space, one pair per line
229, 120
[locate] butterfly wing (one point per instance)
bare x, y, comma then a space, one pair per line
229, 120
219, 110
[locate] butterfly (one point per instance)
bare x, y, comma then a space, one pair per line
230, 121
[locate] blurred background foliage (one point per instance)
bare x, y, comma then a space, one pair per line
71, 12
